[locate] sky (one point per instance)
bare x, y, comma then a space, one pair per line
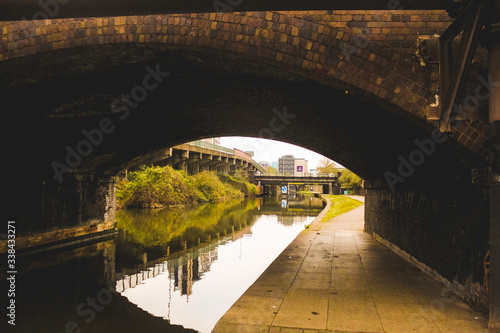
270, 150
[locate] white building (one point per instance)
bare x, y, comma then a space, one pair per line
300, 167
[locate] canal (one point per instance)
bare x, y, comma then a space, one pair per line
174, 270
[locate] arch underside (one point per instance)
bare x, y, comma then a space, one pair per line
55, 95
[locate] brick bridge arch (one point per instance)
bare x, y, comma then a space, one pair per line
352, 84
370, 55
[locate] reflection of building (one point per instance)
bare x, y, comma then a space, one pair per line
290, 166
206, 260
242, 233
184, 271
189, 269
291, 219
187, 274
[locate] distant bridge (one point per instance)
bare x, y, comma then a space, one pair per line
330, 181
278, 180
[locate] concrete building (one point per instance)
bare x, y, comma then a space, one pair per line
291, 166
300, 167
286, 165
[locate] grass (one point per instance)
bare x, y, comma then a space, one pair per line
340, 204
305, 192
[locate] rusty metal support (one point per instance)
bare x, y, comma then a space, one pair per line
453, 72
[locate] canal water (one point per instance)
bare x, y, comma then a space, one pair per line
171, 270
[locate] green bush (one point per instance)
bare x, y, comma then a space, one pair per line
239, 182
159, 187
350, 181
155, 187
211, 189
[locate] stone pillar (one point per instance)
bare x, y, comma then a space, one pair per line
183, 166
232, 170
42, 204
493, 40
78, 200
193, 167
494, 282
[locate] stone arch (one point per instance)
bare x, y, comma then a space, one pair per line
352, 51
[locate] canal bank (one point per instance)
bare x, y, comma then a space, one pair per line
334, 277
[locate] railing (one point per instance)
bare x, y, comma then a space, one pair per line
242, 154
208, 145
303, 174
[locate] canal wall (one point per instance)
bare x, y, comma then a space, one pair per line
444, 232
49, 211
56, 239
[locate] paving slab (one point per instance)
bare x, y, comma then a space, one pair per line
335, 278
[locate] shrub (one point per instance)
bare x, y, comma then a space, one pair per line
238, 182
159, 187
211, 189
155, 188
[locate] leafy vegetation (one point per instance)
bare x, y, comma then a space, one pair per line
328, 166
159, 187
350, 181
240, 183
271, 171
340, 204
209, 188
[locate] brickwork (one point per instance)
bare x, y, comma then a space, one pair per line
446, 229
373, 54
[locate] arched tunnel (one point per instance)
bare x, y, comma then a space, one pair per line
57, 97
197, 94
79, 116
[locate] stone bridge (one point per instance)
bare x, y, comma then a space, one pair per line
364, 65
85, 98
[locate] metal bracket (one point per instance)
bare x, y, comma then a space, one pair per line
454, 55
452, 75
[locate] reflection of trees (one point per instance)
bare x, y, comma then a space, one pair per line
152, 228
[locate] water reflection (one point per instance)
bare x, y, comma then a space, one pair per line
174, 227
179, 267
200, 284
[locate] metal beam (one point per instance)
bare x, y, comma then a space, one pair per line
16, 10
452, 74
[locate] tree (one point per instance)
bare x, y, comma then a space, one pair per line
327, 166
271, 171
350, 181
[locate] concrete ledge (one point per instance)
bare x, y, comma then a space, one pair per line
316, 223
471, 292
60, 238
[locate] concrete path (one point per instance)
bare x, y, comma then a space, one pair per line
357, 197
335, 278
